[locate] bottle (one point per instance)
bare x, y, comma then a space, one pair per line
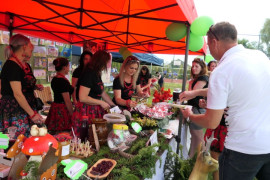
84, 129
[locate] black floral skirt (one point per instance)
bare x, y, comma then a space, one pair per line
11, 114
58, 118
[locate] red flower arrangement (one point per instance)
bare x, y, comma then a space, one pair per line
162, 95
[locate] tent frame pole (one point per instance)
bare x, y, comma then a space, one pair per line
178, 137
10, 27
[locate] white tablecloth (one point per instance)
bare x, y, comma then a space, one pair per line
185, 142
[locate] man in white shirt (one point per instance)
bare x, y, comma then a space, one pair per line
240, 82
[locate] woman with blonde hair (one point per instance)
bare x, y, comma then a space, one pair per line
199, 81
125, 84
18, 105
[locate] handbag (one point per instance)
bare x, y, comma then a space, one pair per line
39, 103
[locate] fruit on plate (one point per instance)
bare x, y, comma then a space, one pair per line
102, 167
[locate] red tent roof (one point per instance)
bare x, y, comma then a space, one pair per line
131, 23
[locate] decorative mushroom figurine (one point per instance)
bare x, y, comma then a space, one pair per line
36, 131
37, 146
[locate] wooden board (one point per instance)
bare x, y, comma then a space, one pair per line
95, 137
45, 95
104, 175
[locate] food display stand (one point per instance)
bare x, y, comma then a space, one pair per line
137, 152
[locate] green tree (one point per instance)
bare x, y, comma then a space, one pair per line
159, 69
252, 45
265, 36
247, 44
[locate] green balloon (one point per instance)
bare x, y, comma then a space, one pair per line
201, 25
208, 58
126, 53
176, 31
195, 42
122, 49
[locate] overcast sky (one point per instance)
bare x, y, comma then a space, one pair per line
247, 15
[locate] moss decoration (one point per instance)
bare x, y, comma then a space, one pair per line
141, 166
176, 168
32, 168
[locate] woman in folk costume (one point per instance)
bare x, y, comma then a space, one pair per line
93, 99
59, 117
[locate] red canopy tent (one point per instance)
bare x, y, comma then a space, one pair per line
131, 23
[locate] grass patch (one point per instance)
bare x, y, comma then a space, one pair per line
167, 86
172, 86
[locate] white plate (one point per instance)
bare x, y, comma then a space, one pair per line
180, 106
114, 117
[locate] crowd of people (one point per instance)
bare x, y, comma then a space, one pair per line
236, 107
229, 97
84, 96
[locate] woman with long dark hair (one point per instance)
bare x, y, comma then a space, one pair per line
212, 65
59, 117
145, 80
93, 99
84, 59
199, 81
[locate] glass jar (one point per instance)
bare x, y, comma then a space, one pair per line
64, 150
101, 130
118, 137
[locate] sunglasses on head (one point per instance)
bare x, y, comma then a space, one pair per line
212, 32
198, 59
132, 59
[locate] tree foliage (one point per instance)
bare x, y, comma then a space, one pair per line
265, 35
264, 40
247, 44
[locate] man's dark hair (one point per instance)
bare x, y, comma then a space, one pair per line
223, 31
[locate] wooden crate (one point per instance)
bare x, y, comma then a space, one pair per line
45, 95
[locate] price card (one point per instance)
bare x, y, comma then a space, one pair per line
4, 140
65, 150
66, 161
75, 169
115, 109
